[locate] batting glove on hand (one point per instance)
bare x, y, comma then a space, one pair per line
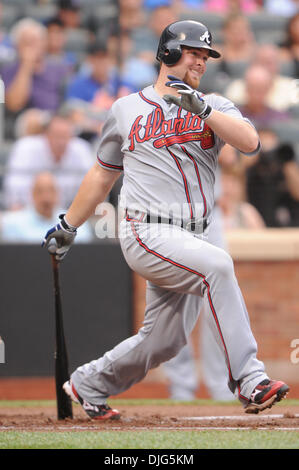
64, 235
190, 99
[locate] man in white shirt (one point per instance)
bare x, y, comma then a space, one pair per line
29, 224
281, 93
56, 151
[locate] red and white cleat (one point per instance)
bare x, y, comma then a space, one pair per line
99, 412
265, 395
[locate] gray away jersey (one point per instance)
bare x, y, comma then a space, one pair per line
169, 156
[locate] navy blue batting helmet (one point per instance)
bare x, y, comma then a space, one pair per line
183, 33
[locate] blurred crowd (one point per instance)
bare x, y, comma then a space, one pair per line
64, 62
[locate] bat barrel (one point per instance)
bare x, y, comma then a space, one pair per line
64, 404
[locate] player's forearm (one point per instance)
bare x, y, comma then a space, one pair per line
233, 131
94, 189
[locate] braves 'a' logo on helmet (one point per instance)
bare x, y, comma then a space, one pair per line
183, 33
206, 37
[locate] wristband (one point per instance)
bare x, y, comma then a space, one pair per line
66, 225
206, 113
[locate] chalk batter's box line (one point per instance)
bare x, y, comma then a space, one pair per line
159, 428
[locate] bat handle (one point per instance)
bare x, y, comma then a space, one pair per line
55, 262
55, 269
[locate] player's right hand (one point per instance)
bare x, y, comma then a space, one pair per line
191, 100
62, 235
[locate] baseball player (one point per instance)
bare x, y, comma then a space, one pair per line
166, 140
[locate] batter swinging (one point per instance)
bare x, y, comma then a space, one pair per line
166, 139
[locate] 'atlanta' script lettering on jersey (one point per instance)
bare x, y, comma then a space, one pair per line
176, 130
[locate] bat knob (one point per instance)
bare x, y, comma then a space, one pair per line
52, 249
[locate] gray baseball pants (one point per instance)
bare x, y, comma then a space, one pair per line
181, 370
175, 263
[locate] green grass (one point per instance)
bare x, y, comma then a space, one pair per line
150, 440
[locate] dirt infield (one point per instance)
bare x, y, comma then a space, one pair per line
149, 417
175, 416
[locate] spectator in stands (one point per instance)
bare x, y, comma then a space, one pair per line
80, 27
146, 38
273, 181
141, 64
100, 86
237, 212
137, 69
239, 44
290, 48
68, 12
7, 52
281, 93
56, 41
258, 82
232, 6
57, 151
237, 50
87, 121
32, 121
281, 7
32, 80
29, 225
131, 14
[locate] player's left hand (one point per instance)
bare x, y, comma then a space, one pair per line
190, 99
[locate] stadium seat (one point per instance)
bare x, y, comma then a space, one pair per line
40, 12
77, 40
264, 21
275, 36
287, 68
19, 3
288, 131
236, 69
213, 21
294, 110
5, 149
106, 10
10, 14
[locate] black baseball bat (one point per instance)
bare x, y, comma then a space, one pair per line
64, 403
